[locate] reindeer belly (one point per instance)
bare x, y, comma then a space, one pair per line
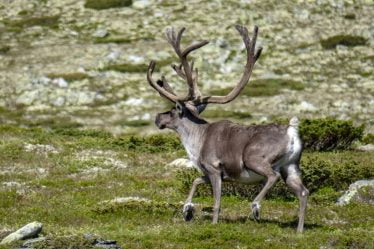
246, 176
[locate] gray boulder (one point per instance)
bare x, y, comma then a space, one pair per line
31, 230
361, 191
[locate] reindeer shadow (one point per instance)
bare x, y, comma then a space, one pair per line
245, 219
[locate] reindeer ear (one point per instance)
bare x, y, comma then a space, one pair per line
179, 107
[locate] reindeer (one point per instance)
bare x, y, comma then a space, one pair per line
223, 150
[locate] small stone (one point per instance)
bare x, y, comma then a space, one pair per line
100, 33
141, 4
136, 58
31, 230
113, 55
29, 243
27, 98
60, 82
134, 101
306, 106
60, 101
367, 147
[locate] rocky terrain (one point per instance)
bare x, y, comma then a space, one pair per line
67, 63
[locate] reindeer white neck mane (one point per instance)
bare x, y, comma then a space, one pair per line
192, 135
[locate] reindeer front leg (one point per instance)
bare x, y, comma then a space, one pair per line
188, 208
216, 181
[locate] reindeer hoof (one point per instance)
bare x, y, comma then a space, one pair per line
256, 211
188, 210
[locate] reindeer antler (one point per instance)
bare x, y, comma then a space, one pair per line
187, 72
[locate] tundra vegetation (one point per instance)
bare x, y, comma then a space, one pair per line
58, 187
60, 161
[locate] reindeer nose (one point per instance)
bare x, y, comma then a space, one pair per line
158, 121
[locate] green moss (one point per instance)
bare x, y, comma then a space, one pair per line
121, 39
137, 68
152, 144
263, 87
69, 76
346, 40
127, 68
350, 16
107, 4
113, 40
49, 21
136, 123
140, 205
4, 49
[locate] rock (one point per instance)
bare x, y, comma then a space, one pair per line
28, 97
113, 55
40, 148
182, 163
141, 4
86, 98
128, 199
60, 82
42, 81
367, 147
12, 184
101, 243
100, 33
59, 101
134, 101
30, 242
361, 191
31, 230
305, 106
136, 59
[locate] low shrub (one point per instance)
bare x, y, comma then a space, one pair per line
329, 134
368, 138
346, 40
107, 4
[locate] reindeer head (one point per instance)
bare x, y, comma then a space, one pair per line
190, 106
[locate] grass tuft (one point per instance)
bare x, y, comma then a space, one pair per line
69, 76
107, 4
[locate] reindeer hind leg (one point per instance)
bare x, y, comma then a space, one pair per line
291, 175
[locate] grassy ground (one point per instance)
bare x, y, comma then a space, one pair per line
63, 185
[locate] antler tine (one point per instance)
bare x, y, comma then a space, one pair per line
244, 34
178, 41
163, 89
195, 80
163, 83
193, 47
258, 53
251, 60
178, 70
